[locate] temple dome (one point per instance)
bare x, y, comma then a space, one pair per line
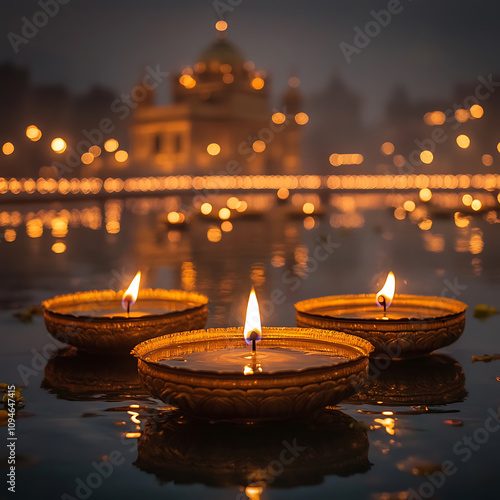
222, 52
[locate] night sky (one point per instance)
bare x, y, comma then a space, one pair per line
427, 46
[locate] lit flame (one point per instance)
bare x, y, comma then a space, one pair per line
130, 295
252, 319
253, 492
387, 291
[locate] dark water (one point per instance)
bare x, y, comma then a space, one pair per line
78, 411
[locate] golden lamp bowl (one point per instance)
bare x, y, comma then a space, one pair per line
232, 395
422, 323
90, 321
429, 380
288, 454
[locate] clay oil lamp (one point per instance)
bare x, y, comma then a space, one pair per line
252, 373
398, 325
113, 322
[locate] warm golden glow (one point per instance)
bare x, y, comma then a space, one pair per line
425, 224
387, 424
461, 115
476, 205
226, 226
426, 157
224, 213
252, 319
253, 492
257, 83
283, 193
187, 81
242, 206
206, 208
487, 160
95, 151
387, 292
228, 78
214, 234
221, 25
175, 217
308, 208
131, 293
425, 194
58, 247
233, 203
434, 118
409, 205
476, 111
59, 227
467, 200
8, 148
58, 145
387, 148
9, 235
213, 149
33, 133
345, 159
463, 141
121, 156
278, 118
259, 146
111, 145
87, 158
301, 118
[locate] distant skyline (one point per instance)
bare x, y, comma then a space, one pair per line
426, 46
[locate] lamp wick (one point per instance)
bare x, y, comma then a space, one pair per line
383, 302
253, 337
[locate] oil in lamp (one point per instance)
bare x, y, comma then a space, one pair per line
410, 325
223, 374
113, 322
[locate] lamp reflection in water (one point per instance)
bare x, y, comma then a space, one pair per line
76, 376
435, 379
277, 455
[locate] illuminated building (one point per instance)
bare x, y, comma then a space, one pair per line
220, 121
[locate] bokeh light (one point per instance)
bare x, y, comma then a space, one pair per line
58, 145
426, 157
121, 156
476, 111
8, 148
257, 83
301, 118
213, 149
221, 25
33, 133
387, 148
425, 194
463, 141
111, 145
206, 208
259, 146
278, 118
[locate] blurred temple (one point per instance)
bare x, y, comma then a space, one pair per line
219, 121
